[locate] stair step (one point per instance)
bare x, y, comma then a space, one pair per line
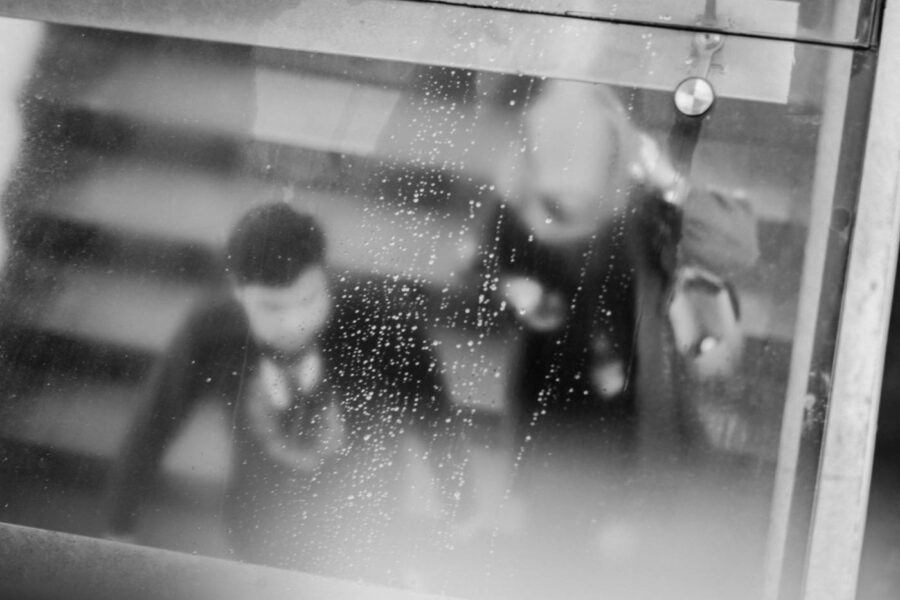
47, 238
197, 209
108, 308
207, 93
84, 420
319, 113
136, 199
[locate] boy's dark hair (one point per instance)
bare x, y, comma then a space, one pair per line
272, 245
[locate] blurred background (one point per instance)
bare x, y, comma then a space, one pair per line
138, 153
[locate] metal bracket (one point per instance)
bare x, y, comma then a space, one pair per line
695, 95
704, 47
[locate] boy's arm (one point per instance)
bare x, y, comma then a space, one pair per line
173, 391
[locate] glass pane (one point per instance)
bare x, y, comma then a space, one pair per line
452, 329
840, 21
845, 22
465, 38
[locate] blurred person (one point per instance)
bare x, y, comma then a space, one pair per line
334, 388
594, 227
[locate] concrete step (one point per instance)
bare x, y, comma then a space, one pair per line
84, 421
183, 207
202, 91
69, 416
111, 309
46, 238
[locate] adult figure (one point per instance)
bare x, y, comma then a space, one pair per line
582, 252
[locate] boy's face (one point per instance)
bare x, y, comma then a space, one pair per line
287, 318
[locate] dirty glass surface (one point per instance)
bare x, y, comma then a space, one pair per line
559, 339
839, 21
843, 22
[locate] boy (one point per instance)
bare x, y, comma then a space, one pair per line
330, 383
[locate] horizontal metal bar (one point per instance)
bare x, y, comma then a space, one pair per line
41, 565
446, 35
769, 19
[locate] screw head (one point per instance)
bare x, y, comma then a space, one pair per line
694, 96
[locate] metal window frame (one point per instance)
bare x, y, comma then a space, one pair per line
844, 478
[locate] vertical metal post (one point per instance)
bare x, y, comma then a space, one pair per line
842, 494
824, 181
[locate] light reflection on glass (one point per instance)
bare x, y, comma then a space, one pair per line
533, 358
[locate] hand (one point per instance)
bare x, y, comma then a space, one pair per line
654, 170
537, 308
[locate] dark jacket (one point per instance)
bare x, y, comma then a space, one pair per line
379, 363
614, 286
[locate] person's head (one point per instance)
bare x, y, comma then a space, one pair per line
571, 173
276, 261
